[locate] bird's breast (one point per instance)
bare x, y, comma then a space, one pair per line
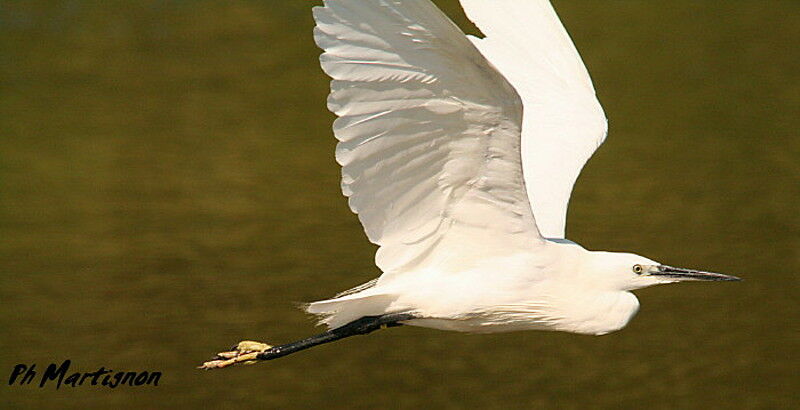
595, 313
583, 313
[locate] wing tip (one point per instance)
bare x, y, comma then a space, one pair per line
322, 13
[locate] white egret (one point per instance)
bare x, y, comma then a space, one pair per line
459, 155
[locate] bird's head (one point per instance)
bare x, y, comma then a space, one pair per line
627, 271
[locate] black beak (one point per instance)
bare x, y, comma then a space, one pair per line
691, 274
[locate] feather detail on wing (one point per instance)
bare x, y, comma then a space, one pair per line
429, 134
564, 123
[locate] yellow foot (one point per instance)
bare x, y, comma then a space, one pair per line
243, 353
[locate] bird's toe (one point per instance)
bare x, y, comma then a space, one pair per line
245, 352
248, 346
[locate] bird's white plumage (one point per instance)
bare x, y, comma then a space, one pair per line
429, 134
433, 140
563, 122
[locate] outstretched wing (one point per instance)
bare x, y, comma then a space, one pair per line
564, 123
429, 134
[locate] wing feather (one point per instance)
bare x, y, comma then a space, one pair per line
429, 134
564, 123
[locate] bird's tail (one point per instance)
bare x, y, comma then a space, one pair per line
351, 305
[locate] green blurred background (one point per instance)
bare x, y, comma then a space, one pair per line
168, 188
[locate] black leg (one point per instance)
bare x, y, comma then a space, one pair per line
366, 324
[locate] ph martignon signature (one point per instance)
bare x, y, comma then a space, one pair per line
23, 374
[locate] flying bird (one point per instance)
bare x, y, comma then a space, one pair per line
459, 155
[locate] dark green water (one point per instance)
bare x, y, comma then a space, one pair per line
167, 188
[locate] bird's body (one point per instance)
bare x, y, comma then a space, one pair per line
459, 155
550, 289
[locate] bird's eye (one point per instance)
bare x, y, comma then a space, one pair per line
638, 269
